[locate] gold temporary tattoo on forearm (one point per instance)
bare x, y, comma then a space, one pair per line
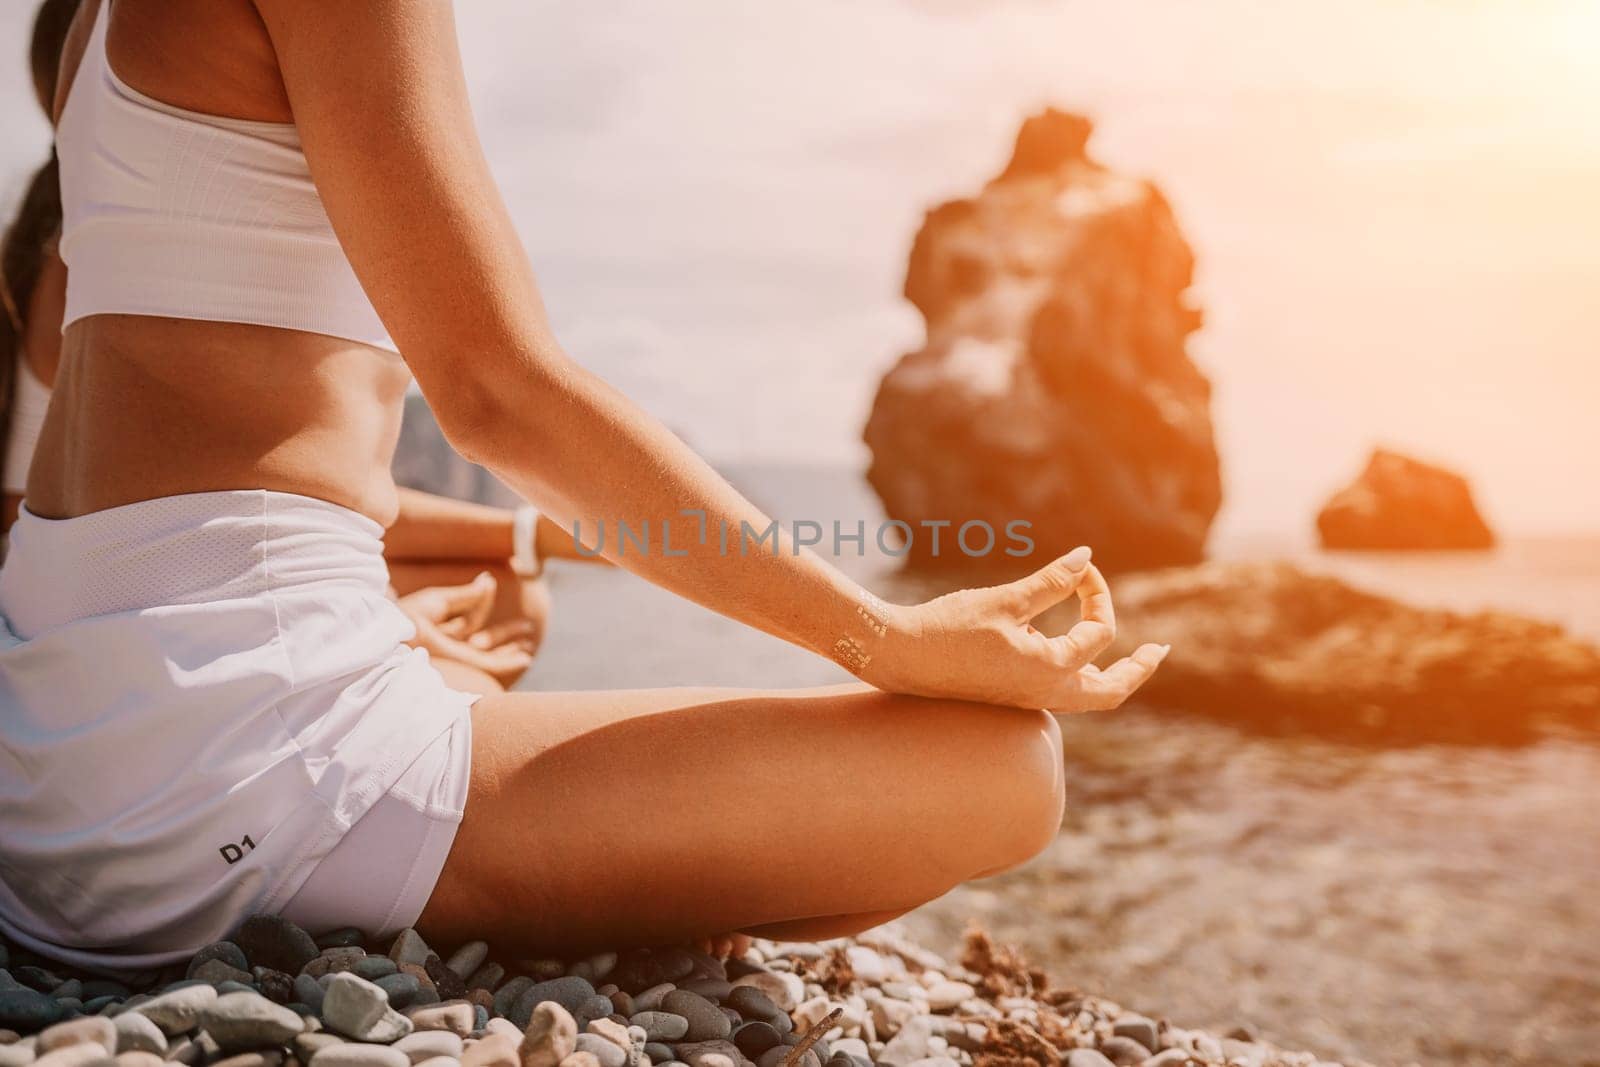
851, 655
875, 613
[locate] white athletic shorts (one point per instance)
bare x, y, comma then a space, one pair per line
207, 710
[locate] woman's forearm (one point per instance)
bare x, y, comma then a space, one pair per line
435, 527
590, 456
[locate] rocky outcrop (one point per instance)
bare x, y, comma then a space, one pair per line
1272, 648
1402, 503
1054, 386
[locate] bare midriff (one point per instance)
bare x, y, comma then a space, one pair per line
147, 407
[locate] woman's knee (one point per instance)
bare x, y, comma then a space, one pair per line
1035, 796
1011, 779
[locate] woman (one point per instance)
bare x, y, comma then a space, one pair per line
265, 202
450, 562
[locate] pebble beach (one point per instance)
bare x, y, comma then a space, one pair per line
273, 996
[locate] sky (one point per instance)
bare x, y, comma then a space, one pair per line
1393, 204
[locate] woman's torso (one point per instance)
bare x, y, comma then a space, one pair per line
148, 406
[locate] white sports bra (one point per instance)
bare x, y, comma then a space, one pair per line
192, 216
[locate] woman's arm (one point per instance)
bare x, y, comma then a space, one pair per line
431, 527
380, 101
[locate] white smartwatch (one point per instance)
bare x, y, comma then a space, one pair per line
525, 559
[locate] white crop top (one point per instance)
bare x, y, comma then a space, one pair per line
180, 214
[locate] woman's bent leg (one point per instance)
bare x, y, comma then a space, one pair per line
656, 816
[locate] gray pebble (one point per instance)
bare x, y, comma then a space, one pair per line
607, 1052
1124, 1051
75, 1056
359, 1055
596, 1007
233, 985
266, 1057
84, 1031
225, 951
357, 1008
658, 1053
910, 1044
1141, 1029
662, 1026
706, 1021
716, 989
708, 1053
409, 947
1172, 1057
273, 941
309, 991
1086, 1057
340, 938
570, 992
27, 1010
754, 1038
426, 1044
401, 988
506, 997
178, 1010
241, 1021
136, 1033
650, 999
753, 1004
468, 958
487, 976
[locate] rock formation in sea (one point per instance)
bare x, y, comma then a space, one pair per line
1402, 503
1054, 386
1272, 648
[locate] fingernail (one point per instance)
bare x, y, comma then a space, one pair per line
1077, 559
1164, 650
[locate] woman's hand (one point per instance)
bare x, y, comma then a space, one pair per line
979, 644
453, 623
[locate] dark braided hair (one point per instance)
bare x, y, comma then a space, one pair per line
30, 238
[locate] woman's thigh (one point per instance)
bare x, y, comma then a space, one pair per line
643, 817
